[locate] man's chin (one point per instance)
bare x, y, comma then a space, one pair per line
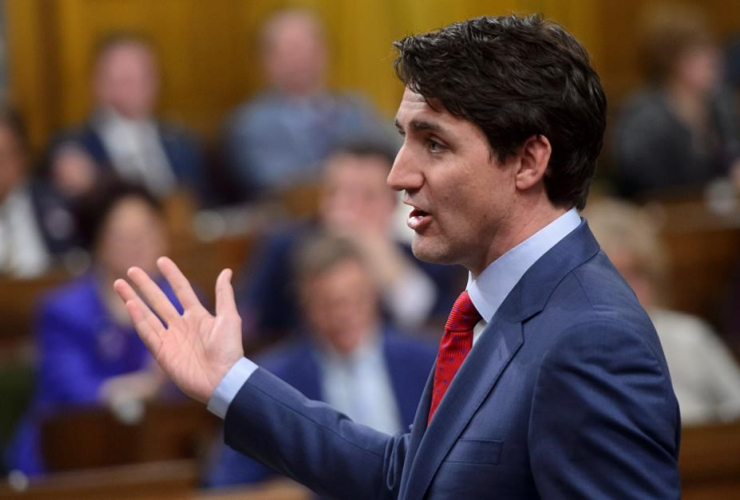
426, 250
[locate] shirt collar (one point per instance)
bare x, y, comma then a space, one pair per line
489, 290
369, 349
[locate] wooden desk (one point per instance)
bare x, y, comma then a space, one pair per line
710, 462
81, 439
155, 481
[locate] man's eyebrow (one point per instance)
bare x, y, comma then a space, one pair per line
419, 126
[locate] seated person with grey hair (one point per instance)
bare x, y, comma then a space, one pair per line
705, 376
348, 358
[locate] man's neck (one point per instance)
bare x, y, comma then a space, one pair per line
519, 230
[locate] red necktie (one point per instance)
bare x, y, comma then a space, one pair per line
456, 344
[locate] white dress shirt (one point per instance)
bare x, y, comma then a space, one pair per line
136, 151
705, 376
23, 252
487, 292
359, 385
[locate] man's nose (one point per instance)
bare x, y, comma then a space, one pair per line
405, 175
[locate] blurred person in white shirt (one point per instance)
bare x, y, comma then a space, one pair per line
705, 376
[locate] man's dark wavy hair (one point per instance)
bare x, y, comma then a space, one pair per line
516, 77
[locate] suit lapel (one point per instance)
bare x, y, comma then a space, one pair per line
418, 429
477, 376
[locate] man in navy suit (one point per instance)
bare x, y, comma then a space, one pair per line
550, 380
347, 357
123, 135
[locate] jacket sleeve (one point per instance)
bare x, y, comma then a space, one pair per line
604, 420
312, 443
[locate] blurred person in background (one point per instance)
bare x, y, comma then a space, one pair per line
280, 138
355, 202
706, 378
681, 131
349, 357
35, 225
89, 353
123, 134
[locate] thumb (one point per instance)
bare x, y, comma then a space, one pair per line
225, 302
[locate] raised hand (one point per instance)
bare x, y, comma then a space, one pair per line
194, 349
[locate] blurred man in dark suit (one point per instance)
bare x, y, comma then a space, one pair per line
123, 134
35, 225
348, 356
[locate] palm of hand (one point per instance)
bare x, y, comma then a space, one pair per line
196, 349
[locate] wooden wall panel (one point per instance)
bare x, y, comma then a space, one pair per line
210, 61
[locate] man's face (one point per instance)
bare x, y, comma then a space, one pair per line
133, 235
341, 305
460, 195
355, 196
127, 80
294, 55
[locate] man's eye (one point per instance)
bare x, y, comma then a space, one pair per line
434, 146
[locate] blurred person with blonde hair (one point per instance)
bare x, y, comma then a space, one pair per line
280, 138
88, 351
705, 376
680, 131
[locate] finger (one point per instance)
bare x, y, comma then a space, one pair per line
146, 332
159, 302
178, 281
127, 293
225, 303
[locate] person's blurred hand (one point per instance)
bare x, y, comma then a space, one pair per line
73, 171
197, 349
142, 385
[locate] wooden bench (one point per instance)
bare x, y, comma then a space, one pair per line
18, 300
172, 480
710, 462
703, 247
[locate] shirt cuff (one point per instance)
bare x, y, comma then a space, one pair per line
227, 389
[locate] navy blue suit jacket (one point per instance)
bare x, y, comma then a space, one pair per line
181, 148
408, 362
565, 396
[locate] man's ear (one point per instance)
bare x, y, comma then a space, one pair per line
534, 158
